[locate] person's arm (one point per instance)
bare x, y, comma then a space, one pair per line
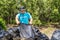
30, 22
30, 19
17, 20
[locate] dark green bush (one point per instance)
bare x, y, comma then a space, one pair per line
2, 24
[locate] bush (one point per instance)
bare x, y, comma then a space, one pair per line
2, 24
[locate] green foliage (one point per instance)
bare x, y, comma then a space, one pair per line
42, 11
8, 10
2, 24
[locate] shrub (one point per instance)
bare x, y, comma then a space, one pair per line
2, 24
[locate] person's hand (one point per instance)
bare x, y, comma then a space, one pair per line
17, 20
18, 23
30, 22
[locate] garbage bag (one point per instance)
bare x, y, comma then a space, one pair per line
39, 35
56, 35
1, 34
26, 31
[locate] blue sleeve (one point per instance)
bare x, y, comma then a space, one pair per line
29, 16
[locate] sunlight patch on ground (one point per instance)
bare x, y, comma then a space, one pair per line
48, 31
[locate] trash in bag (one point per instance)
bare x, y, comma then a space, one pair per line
39, 35
1, 33
26, 31
12, 33
56, 35
44, 37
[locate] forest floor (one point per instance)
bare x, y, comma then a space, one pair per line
48, 31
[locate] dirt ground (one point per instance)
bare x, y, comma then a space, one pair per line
48, 31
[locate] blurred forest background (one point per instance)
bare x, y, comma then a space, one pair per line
44, 12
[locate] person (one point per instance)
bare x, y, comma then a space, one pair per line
23, 16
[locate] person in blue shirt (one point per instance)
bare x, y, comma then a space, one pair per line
23, 16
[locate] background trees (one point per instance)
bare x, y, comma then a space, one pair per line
42, 11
